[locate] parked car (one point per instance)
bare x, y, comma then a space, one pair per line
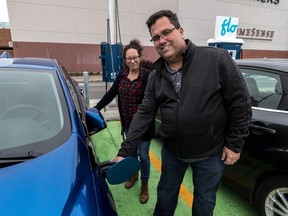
47, 164
261, 174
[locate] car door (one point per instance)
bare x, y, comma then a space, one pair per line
268, 128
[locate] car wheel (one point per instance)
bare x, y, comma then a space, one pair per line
272, 197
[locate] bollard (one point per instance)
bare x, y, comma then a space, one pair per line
86, 88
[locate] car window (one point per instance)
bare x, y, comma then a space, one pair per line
31, 110
264, 87
78, 99
75, 92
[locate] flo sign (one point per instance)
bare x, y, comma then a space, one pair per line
225, 27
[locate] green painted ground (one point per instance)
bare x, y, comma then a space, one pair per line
106, 145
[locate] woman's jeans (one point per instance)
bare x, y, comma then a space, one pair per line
207, 175
143, 153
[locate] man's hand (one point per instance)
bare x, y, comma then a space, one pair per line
118, 158
229, 157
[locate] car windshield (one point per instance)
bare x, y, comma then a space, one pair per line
31, 108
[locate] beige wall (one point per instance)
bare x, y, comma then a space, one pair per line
83, 23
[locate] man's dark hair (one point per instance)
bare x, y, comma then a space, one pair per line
163, 13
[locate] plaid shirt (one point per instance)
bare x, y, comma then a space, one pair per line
131, 94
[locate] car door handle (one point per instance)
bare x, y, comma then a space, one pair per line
258, 129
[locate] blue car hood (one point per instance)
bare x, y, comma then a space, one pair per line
48, 184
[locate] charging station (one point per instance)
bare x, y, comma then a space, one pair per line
225, 36
111, 60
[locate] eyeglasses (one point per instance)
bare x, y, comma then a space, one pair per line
129, 59
163, 34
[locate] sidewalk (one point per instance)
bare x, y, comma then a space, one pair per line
92, 78
110, 112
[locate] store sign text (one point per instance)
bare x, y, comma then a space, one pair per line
269, 1
254, 33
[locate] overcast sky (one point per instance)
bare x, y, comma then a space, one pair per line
3, 11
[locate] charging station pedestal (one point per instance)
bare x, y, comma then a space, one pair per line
111, 60
233, 47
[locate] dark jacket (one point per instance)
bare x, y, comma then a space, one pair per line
213, 108
113, 92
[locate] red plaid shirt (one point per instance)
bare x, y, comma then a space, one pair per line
131, 94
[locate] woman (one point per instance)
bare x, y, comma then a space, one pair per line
130, 86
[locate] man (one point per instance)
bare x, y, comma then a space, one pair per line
205, 112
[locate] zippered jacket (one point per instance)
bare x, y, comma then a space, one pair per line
212, 110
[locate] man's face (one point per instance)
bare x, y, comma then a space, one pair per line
168, 41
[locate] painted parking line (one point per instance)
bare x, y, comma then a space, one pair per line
185, 194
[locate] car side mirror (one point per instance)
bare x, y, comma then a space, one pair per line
95, 121
117, 173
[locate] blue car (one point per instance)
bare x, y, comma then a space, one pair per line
48, 165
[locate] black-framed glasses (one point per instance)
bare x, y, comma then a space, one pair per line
163, 34
129, 59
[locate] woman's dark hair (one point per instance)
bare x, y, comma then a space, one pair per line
134, 44
163, 13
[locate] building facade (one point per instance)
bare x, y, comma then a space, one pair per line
5, 41
72, 30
